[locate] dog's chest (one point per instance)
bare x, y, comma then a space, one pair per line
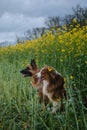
45, 92
45, 84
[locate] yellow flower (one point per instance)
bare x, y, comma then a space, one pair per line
64, 27
61, 60
71, 77
65, 80
50, 69
85, 62
74, 20
63, 50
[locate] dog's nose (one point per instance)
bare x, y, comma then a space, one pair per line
21, 71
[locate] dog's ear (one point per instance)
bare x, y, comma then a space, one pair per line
33, 64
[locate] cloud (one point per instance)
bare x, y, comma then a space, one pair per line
38, 8
12, 25
19, 22
7, 36
16, 16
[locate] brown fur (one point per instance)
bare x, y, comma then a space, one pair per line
55, 90
32, 69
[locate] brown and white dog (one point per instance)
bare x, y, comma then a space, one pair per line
53, 86
30, 71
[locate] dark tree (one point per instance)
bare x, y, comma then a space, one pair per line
79, 14
53, 22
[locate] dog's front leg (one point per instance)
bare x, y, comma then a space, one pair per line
56, 106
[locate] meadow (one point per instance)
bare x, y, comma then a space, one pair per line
19, 107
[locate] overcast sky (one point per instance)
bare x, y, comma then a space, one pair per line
17, 16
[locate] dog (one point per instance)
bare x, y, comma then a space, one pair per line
53, 86
30, 71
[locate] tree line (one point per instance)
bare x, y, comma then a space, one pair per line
79, 16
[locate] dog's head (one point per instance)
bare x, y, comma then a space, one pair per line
30, 70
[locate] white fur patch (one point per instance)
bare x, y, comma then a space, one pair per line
38, 74
45, 92
45, 84
58, 73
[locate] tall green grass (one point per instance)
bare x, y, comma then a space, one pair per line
19, 107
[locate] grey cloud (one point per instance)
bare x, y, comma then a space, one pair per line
38, 8
16, 16
18, 23
8, 36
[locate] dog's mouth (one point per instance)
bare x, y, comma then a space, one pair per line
26, 74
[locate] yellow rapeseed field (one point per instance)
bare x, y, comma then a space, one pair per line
64, 41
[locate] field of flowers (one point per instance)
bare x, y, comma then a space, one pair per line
19, 108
